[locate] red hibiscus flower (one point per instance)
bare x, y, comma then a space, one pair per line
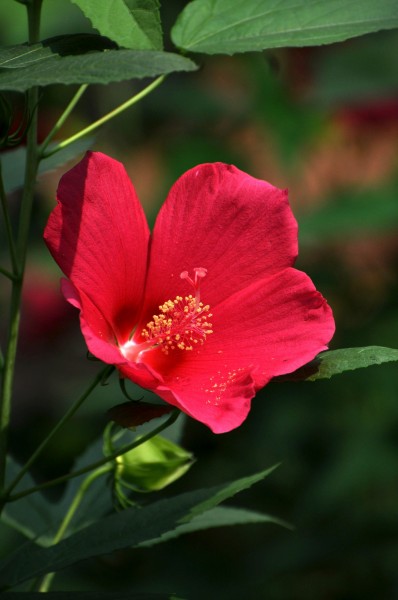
206, 309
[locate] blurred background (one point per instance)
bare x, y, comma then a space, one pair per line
322, 122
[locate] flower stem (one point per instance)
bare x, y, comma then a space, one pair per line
8, 228
45, 583
106, 118
62, 118
34, 10
8, 274
104, 373
99, 463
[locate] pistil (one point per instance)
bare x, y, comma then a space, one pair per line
181, 324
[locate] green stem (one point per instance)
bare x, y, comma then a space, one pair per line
8, 274
8, 228
106, 118
32, 163
99, 463
34, 9
44, 586
63, 118
104, 373
34, 14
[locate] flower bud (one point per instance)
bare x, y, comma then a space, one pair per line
153, 465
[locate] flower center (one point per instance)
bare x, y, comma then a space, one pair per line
182, 323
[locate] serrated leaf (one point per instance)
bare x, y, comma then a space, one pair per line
136, 27
13, 162
221, 516
147, 15
226, 491
225, 27
333, 362
25, 55
22, 67
129, 528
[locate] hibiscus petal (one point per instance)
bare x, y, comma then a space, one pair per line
99, 236
273, 326
270, 328
237, 227
97, 333
220, 409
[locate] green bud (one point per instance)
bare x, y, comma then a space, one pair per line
153, 465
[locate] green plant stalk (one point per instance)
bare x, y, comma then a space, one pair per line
34, 10
8, 228
105, 118
45, 583
104, 373
99, 463
62, 118
8, 274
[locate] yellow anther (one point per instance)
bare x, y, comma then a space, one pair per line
182, 324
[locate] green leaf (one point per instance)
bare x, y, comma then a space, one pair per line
47, 63
221, 516
225, 27
38, 519
333, 362
147, 15
13, 162
136, 26
129, 528
223, 492
32, 515
24, 55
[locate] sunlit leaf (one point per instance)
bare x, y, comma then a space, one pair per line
225, 27
333, 362
131, 24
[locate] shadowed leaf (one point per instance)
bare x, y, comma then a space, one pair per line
129, 528
56, 61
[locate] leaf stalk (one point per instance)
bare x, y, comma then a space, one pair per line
99, 463
104, 119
